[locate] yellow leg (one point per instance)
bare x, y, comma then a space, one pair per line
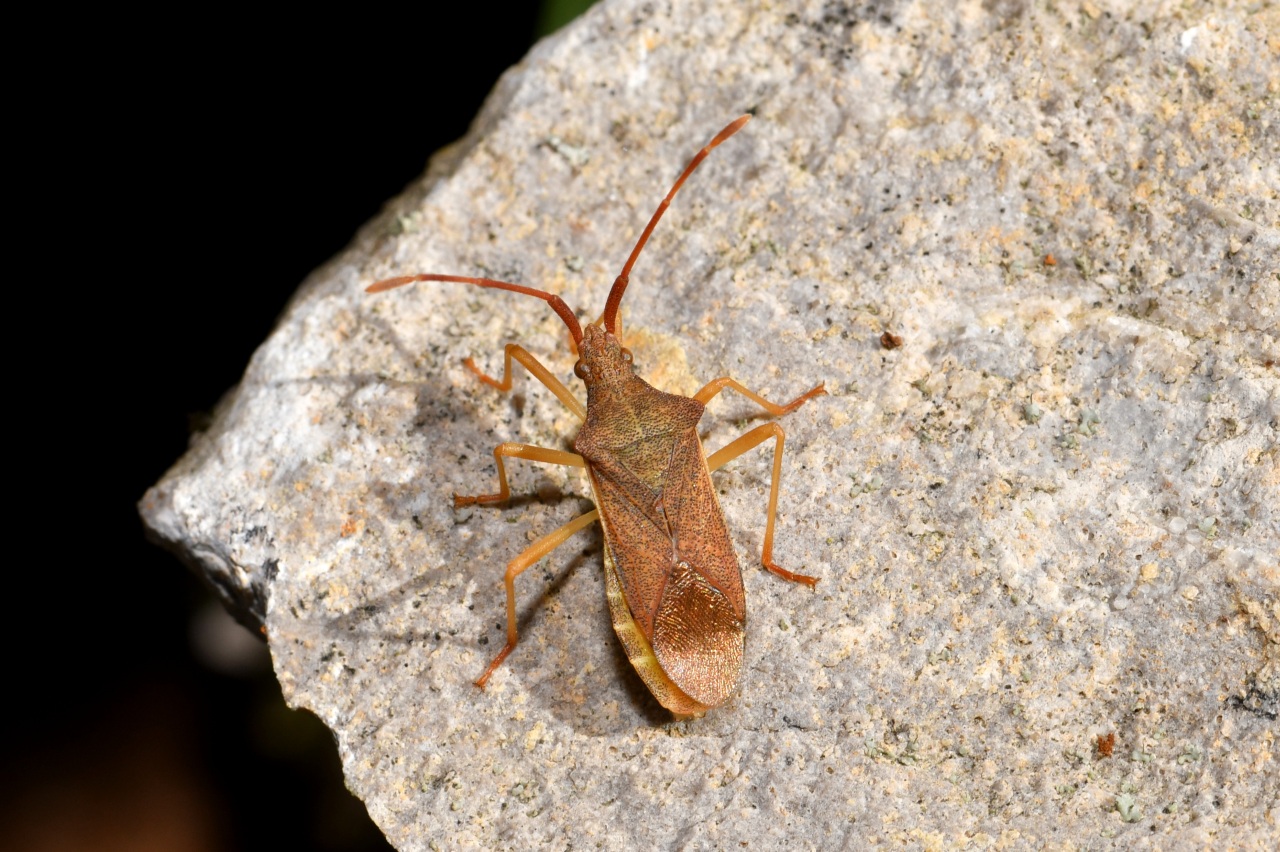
518, 451
516, 567
535, 368
752, 439
714, 387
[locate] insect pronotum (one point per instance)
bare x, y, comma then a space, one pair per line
671, 575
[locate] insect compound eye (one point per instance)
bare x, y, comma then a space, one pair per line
582, 371
626, 356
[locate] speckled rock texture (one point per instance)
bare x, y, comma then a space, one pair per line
1046, 525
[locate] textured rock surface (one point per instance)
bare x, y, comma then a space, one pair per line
1046, 526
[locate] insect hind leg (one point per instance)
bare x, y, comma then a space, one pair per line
516, 567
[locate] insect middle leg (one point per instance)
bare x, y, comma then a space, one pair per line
754, 438
516, 567
517, 451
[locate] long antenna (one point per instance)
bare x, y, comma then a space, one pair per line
557, 304
620, 283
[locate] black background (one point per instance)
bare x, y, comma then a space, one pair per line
196, 179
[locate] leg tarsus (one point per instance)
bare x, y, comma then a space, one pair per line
503, 385
818, 390
497, 661
804, 579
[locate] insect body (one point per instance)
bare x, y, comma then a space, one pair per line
671, 576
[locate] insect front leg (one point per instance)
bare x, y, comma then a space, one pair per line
536, 369
752, 439
516, 567
517, 451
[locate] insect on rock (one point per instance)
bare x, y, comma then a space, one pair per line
671, 575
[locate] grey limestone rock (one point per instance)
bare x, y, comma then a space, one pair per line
1045, 525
